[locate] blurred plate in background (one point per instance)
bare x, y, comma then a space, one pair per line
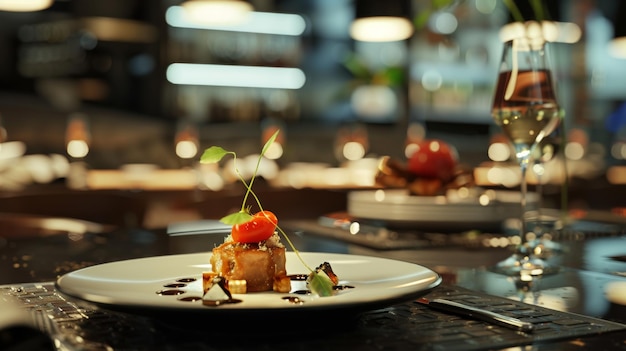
456, 210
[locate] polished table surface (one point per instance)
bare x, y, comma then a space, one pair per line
590, 280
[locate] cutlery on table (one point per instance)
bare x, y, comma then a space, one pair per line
477, 313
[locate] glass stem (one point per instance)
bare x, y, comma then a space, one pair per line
539, 191
524, 192
524, 159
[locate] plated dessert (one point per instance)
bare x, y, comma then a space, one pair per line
252, 257
251, 267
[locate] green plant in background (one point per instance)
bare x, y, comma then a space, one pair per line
395, 76
363, 74
421, 19
391, 76
538, 9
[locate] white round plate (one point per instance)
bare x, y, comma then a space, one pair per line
478, 210
133, 285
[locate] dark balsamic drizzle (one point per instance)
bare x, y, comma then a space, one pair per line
181, 283
170, 292
298, 277
343, 287
190, 298
215, 303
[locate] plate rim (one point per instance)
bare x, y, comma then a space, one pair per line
349, 307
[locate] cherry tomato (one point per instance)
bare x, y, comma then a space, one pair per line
433, 159
259, 228
268, 215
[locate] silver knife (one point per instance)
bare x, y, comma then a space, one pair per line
478, 313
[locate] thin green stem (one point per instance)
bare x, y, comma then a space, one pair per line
248, 187
537, 9
249, 191
280, 230
293, 247
515, 12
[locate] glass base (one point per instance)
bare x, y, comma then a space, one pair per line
520, 264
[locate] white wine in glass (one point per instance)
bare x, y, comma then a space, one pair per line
526, 109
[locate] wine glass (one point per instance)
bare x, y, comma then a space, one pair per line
526, 110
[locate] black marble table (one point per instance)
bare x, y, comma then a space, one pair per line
590, 281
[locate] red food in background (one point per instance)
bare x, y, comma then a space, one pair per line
433, 159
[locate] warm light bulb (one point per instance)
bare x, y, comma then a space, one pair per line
274, 151
382, 28
77, 148
499, 152
186, 149
216, 11
24, 5
353, 150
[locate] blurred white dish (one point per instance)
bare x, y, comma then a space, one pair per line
475, 209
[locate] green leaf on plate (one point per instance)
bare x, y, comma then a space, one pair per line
214, 154
236, 218
320, 284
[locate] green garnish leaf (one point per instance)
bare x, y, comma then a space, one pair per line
214, 154
320, 284
236, 218
269, 142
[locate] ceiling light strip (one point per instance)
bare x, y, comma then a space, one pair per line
256, 22
235, 76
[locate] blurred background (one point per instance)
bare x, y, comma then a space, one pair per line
138, 87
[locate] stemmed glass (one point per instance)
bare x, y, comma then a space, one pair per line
526, 109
